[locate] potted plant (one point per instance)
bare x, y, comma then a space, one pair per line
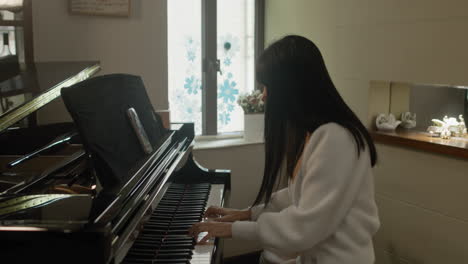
254, 108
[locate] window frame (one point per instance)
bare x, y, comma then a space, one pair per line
211, 64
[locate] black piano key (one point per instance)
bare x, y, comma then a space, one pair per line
157, 225
169, 236
151, 239
168, 232
179, 219
173, 256
161, 217
172, 261
168, 221
175, 217
180, 207
168, 213
165, 237
150, 254
191, 192
189, 223
163, 251
142, 245
186, 192
163, 241
186, 210
185, 195
175, 192
178, 246
188, 253
155, 220
199, 209
156, 259
186, 216
174, 222
134, 260
188, 187
145, 245
177, 232
182, 203
181, 222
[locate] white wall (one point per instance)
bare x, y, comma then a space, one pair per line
135, 45
422, 196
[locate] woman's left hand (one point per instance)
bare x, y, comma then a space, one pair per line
214, 229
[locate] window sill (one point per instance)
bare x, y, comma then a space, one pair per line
227, 140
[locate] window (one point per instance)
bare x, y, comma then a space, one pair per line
211, 55
7, 32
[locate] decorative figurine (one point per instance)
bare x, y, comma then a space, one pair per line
445, 134
452, 125
408, 120
462, 125
386, 122
441, 127
449, 127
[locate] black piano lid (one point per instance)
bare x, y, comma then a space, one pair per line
38, 85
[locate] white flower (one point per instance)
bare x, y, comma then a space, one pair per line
228, 45
252, 103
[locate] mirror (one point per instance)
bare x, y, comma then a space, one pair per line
428, 101
432, 101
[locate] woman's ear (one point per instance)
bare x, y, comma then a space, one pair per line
264, 93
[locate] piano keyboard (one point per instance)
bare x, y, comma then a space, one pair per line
164, 238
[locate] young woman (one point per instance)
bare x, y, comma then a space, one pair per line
327, 214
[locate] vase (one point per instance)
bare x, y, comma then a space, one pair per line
253, 127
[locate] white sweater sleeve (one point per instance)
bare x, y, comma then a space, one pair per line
279, 201
330, 184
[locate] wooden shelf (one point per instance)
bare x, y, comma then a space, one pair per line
15, 23
456, 147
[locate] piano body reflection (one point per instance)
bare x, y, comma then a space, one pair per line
70, 193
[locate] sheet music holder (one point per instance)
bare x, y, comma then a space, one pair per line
99, 107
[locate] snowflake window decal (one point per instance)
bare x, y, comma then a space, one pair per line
227, 88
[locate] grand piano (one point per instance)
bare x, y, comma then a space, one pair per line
91, 191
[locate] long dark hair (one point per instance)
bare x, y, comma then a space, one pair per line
300, 97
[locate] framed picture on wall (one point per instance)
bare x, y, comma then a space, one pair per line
119, 8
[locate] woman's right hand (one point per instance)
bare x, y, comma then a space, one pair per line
220, 214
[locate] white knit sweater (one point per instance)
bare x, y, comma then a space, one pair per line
327, 215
